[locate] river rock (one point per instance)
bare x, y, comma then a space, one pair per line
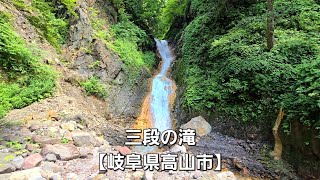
201, 126
208, 175
17, 162
63, 152
32, 161
72, 176
12, 138
34, 127
138, 175
7, 168
32, 147
68, 135
53, 131
85, 152
34, 173
51, 157
81, 138
227, 175
124, 150
42, 140
69, 126
178, 149
148, 175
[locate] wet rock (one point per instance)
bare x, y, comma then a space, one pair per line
63, 152
178, 149
71, 176
201, 126
227, 175
17, 162
68, 126
42, 140
124, 150
81, 138
32, 161
51, 157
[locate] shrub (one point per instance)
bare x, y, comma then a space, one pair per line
24, 79
94, 87
54, 29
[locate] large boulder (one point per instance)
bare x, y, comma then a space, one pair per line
201, 126
63, 152
43, 140
32, 161
81, 138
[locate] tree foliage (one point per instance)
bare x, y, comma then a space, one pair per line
226, 67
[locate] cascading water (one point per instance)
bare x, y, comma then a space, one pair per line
162, 91
156, 109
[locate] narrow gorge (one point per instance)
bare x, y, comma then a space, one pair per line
76, 74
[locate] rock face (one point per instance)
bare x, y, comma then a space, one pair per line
32, 161
201, 126
81, 32
63, 152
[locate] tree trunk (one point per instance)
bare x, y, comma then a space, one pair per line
277, 152
270, 24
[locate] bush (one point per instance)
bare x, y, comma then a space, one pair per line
41, 15
24, 79
94, 87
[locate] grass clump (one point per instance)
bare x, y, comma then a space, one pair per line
94, 87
